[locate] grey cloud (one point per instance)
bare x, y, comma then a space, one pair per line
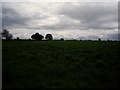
63, 24
58, 26
114, 36
39, 16
92, 15
10, 17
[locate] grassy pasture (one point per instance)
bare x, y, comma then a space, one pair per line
60, 64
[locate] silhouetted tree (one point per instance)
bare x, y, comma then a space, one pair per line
37, 36
75, 39
29, 39
6, 34
99, 39
49, 37
62, 39
108, 40
18, 38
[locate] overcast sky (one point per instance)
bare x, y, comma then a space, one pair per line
69, 20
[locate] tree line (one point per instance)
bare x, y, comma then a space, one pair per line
8, 36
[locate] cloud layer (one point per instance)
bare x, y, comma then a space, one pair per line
94, 15
68, 20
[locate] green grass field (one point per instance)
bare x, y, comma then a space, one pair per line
60, 64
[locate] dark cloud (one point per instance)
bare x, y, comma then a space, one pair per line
10, 18
65, 17
97, 16
92, 15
